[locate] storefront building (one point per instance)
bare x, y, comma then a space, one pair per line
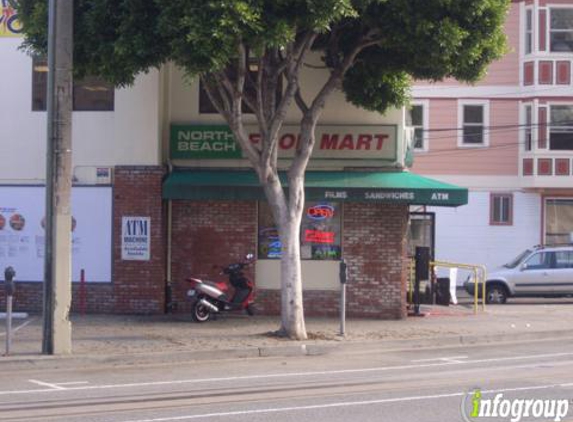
161, 192
508, 139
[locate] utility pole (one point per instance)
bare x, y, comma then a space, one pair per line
57, 334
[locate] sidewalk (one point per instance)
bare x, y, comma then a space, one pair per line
154, 339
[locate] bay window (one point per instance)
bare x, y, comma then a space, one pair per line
561, 30
561, 127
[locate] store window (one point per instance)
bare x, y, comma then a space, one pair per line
558, 221
473, 119
528, 132
561, 30
417, 118
561, 128
528, 31
501, 209
89, 94
320, 237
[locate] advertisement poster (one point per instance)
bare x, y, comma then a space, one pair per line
22, 233
10, 25
135, 238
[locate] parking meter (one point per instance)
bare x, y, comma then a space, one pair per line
9, 275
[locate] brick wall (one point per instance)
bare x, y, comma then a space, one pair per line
207, 234
138, 286
374, 246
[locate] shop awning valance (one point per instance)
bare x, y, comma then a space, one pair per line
347, 186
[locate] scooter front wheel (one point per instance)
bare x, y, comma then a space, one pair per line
200, 313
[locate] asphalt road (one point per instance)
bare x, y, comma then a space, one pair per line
417, 385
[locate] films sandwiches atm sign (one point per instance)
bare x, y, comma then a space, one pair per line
135, 238
333, 142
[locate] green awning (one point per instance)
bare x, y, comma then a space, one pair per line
356, 186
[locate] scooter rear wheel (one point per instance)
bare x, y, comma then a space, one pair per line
250, 310
200, 313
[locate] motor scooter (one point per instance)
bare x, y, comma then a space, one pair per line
210, 298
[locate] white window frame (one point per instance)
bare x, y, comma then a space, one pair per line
550, 126
525, 128
485, 123
529, 32
425, 104
550, 30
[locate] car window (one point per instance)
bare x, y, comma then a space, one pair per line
564, 259
515, 262
540, 261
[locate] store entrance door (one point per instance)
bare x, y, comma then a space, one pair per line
422, 229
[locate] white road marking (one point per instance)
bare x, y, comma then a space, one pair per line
292, 374
19, 327
343, 404
455, 359
47, 384
72, 383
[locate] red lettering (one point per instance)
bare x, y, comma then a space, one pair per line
364, 141
347, 143
316, 236
329, 141
287, 141
380, 139
255, 137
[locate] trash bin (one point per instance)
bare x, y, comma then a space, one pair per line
443, 291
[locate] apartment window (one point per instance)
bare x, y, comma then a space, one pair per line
320, 237
89, 94
473, 119
558, 221
528, 133
417, 118
501, 209
528, 31
561, 128
561, 30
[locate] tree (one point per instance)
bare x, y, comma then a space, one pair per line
371, 49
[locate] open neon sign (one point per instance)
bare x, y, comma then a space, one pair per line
320, 212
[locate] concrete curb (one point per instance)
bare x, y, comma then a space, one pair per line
35, 362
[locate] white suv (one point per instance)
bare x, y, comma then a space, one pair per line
540, 271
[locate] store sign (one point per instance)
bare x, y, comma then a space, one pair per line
22, 232
333, 142
10, 25
317, 236
135, 238
320, 212
391, 196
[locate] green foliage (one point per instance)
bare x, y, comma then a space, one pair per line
420, 39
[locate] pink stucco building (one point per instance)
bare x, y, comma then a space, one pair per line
509, 139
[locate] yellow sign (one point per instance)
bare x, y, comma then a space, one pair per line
10, 25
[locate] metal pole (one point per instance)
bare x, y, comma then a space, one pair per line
343, 278
10, 289
8, 324
57, 261
343, 309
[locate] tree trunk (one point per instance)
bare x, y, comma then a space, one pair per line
288, 215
